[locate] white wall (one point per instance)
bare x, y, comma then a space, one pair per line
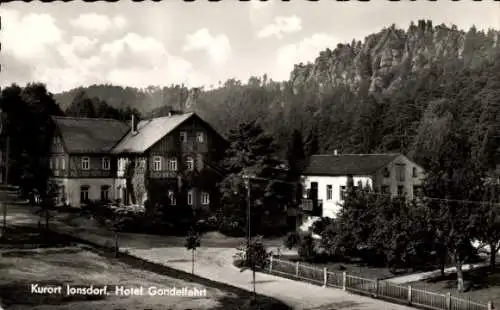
331, 207
73, 189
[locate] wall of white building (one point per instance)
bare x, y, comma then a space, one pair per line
332, 206
72, 188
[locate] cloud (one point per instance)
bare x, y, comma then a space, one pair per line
29, 38
306, 50
217, 46
36, 49
98, 23
282, 25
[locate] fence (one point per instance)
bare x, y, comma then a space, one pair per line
373, 287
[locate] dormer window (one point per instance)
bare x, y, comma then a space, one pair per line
183, 136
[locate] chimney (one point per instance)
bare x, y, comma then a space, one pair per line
133, 124
335, 152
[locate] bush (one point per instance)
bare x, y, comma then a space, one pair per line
306, 248
320, 226
231, 228
292, 240
209, 224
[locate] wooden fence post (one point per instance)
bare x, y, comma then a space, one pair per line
271, 264
344, 280
448, 301
409, 294
325, 277
490, 305
297, 269
376, 287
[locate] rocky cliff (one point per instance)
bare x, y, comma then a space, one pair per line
382, 61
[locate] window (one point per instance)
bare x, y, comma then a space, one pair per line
85, 163
171, 198
84, 194
172, 164
106, 164
400, 190
400, 172
329, 192
190, 198
386, 173
190, 163
414, 172
205, 198
183, 136
342, 192
51, 163
56, 162
142, 163
63, 163
157, 163
105, 193
200, 137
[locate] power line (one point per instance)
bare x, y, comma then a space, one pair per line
482, 203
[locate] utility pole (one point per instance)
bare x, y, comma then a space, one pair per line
247, 182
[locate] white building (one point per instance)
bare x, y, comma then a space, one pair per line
393, 174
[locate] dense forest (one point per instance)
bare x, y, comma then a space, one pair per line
368, 96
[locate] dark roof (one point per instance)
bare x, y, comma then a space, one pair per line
90, 135
347, 164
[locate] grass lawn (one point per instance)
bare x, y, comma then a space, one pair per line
356, 268
80, 265
481, 285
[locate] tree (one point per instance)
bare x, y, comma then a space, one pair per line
488, 220
256, 258
453, 175
252, 152
192, 243
312, 143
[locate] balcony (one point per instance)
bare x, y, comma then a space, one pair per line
308, 205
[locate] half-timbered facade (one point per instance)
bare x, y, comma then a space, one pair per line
159, 159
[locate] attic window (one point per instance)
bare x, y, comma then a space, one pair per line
414, 172
183, 136
200, 137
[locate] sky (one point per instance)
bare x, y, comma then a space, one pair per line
201, 43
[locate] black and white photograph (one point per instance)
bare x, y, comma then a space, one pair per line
250, 155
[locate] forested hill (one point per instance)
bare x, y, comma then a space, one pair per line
365, 96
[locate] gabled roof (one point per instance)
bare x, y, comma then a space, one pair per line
89, 135
149, 132
347, 164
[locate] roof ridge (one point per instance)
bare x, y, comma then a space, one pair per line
88, 118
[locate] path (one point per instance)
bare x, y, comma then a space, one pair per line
215, 263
